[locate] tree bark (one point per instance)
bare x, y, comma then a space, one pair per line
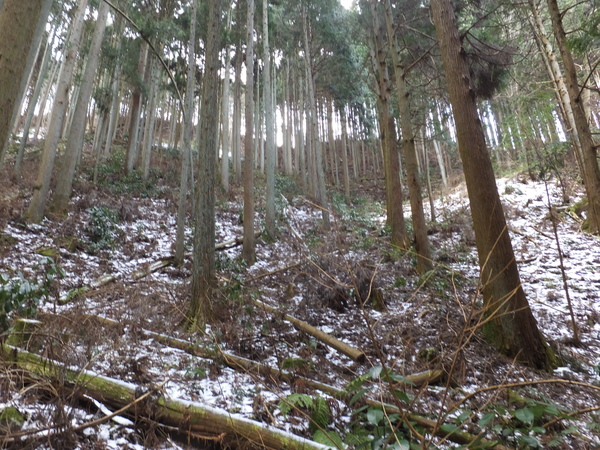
19, 25
60, 202
507, 319
35, 212
317, 150
203, 275
186, 416
249, 247
387, 129
590, 169
424, 260
188, 124
269, 126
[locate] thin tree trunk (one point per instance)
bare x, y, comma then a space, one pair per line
249, 246
66, 173
591, 170
237, 116
424, 261
344, 149
225, 113
135, 114
149, 132
186, 156
35, 212
34, 101
21, 26
319, 175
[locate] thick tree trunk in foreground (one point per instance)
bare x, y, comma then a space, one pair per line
509, 324
590, 169
18, 27
203, 276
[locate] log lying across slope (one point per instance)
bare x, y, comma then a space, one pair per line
185, 415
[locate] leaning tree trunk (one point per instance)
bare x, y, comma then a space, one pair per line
507, 319
35, 212
590, 169
19, 25
66, 172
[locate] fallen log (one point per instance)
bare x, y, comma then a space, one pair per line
255, 368
353, 353
186, 416
251, 367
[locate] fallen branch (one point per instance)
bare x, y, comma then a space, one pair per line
353, 353
255, 368
272, 272
138, 274
187, 416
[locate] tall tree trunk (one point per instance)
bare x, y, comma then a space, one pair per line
60, 202
269, 125
344, 150
19, 25
225, 114
387, 129
203, 276
591, 170
317, 157
34, 101
508, 322
236, 137
135, 113
149, 132
555, 72
188, 124
35, 212
424, 261
249, 246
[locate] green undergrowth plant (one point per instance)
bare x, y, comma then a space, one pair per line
317, 409
373, 427
20, 296
101, 228
111, 176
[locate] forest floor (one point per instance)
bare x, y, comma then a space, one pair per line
324, 278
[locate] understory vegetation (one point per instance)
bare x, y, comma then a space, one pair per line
97, 292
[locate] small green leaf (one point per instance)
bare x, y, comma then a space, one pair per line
463, 416
330, 438
374, 416
486, 419
375, 372
530, 441
525, 415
